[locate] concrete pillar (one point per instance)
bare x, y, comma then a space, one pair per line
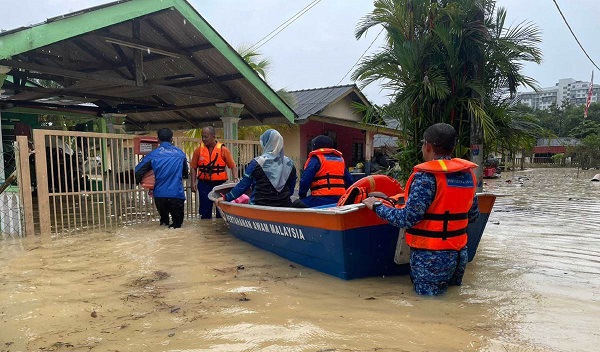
230, 115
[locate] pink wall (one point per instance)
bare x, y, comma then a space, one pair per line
345, 136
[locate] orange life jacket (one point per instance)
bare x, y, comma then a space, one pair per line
329, 180
211, 167
444, 224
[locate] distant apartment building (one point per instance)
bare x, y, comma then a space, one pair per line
566, 90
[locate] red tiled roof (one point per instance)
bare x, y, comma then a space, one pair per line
550, 149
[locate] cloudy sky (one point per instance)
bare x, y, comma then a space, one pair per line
319, 48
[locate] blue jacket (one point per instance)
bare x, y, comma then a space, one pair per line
169, 164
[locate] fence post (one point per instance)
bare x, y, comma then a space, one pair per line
39, 140
25, 184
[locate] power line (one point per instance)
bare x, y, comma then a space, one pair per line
574, 36
284, 25
350, 70
363, 54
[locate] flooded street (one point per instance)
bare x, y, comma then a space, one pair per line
533, 286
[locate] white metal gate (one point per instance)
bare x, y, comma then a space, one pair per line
85, 180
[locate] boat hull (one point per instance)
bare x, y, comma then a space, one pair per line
347, 242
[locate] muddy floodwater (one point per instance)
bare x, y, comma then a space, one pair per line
534, 286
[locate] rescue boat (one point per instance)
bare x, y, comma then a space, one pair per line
347, 241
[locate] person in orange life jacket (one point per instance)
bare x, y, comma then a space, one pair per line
272, 175
325, 174
441, 202
169, 165
208, 166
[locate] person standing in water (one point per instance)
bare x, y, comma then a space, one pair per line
208, 165
441, 203
169, 165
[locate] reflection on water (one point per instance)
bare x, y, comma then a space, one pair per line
533, 286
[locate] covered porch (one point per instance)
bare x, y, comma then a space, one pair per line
122, 69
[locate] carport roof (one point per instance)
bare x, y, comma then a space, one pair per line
158, 62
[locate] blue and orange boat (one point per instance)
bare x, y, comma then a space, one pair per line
347, 241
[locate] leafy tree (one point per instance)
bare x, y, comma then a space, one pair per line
261, 66
450, 61
587, 154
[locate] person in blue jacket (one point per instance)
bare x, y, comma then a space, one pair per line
169, 165
272, 175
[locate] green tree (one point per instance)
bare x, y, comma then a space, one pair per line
447, 61
252, 58
587, 154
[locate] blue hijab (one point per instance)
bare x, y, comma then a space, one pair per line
276, 166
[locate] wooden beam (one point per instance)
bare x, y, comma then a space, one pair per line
137, 43
205, 81
83, 45
124, 59
138, 55
77, 109
190, 56
185, 118
180, 125
103, 78
171, 108
147, 58
53, 92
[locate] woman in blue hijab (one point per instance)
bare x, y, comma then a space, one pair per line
272, 175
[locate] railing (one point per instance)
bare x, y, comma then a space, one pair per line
85, 181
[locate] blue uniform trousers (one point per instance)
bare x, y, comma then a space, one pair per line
206, 206
433, 271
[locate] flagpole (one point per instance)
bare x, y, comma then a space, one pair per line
588, 101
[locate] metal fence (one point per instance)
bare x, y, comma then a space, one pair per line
85, 181
11, 208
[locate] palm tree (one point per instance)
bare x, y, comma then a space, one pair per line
446, 61
261, 66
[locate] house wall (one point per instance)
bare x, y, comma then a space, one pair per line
344, 137
343, 110
291, 144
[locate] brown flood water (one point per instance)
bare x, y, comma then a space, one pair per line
533, 286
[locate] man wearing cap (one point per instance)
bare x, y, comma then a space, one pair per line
441, 203
325, 174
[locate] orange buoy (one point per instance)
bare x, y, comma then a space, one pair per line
366, 185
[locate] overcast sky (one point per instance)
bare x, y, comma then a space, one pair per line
319, 48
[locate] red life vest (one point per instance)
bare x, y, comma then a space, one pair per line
211, 167
444, 224
329, 180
